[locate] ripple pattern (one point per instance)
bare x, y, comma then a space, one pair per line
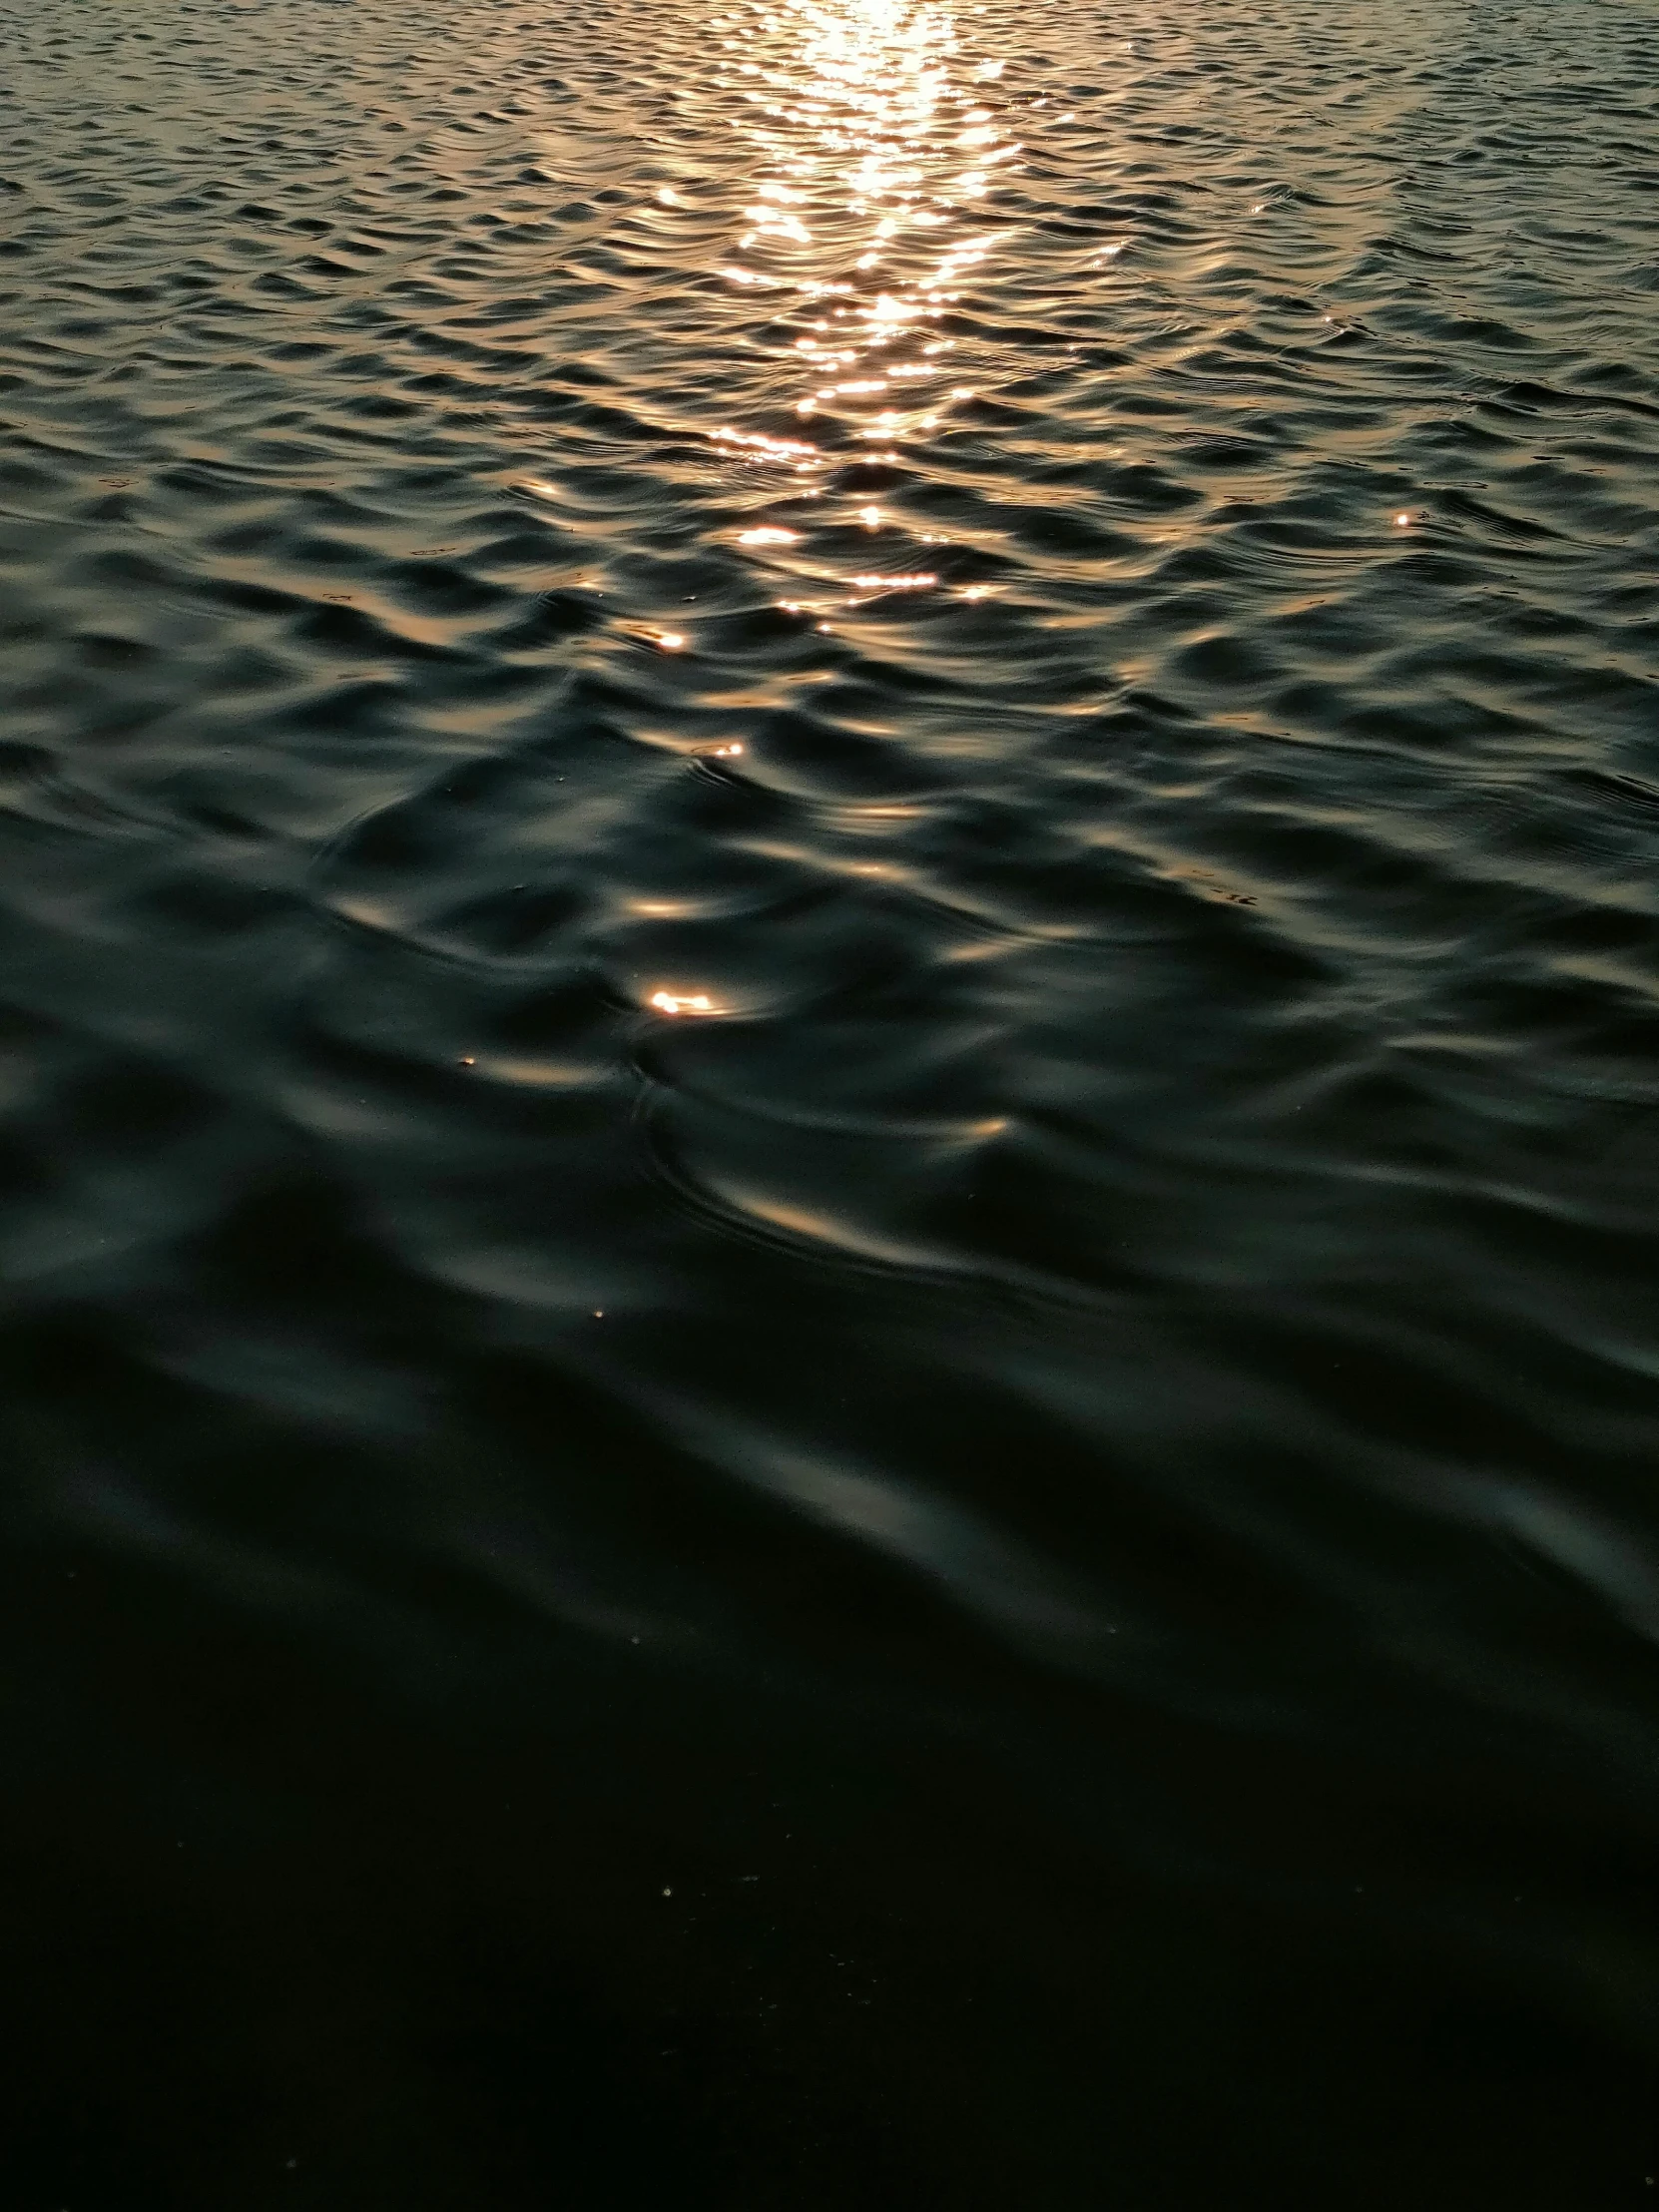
908, 753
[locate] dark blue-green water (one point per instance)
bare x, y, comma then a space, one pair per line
828, 1032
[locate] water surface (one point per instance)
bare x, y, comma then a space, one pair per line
829, 1198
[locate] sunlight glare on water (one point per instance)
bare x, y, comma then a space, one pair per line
863, 141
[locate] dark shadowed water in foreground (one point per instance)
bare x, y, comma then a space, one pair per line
829, 884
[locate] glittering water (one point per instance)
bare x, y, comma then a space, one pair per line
829, 1026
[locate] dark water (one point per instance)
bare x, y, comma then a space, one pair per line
830, 1205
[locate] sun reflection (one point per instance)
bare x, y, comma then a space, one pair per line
873, 143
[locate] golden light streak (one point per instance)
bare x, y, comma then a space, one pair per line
870, 142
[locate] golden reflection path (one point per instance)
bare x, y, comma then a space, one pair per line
874, 149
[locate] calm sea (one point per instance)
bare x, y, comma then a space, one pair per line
828, 1041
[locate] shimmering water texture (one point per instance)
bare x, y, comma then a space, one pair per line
827, 920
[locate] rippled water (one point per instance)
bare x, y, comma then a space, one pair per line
830, 1017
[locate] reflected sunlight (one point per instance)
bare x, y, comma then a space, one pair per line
874, 146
